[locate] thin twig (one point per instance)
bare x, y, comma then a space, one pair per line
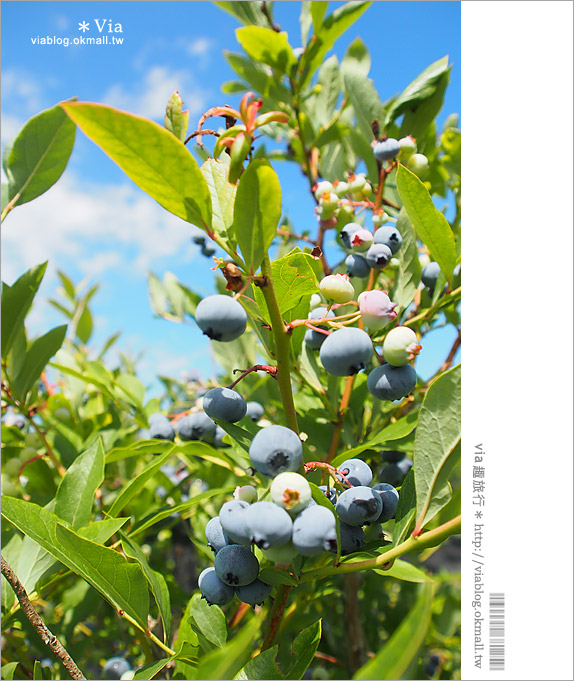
38, 623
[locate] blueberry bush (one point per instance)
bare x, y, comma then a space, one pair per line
284, 519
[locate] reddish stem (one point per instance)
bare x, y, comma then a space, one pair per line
312, 465
257, 367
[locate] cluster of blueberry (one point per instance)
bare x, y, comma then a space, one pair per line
218, 403
291, 523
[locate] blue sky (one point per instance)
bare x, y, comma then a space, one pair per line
95, 223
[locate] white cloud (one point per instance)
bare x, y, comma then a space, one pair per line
200, 47
11, 126
148, 97
21, 90
101, 227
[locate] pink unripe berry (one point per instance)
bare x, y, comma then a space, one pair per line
337, 287
376, 309
361, 240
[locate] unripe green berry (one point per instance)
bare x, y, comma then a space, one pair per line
337, 287
315, 301
418, 164
341, 189
400, 346
324, 187
291, 491
380, 219
408, 148
246, 493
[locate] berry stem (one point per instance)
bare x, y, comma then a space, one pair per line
282, 339
430, 538
275, 615
340, 414
256, 367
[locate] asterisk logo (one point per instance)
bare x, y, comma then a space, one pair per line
478, 514
84, 26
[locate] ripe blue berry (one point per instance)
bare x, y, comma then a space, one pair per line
387, 382
314, 339
314, 531
331, 494
213, 589
395, 473
225, 404
216, 537
359, 506
221, 318
392, 456
291, 491
352, 538
429, 274
232, 519
160, 428
196, 426
115, 667
268, 524
390, 498
400, 346
275, 449
254, 593
357, 472
207, 250
346, 351
255, 411
386, 149
347, 233
389, 236
378, 256
198, 239
235, 565
357, 266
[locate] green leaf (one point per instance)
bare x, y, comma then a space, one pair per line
275, 576
9, 670
267, 46
222, 192
100, 531
10, 553
120, 582
430, 224
408, 274
39, 154
156, 582
37, 356
422, 87
41, 672
257, 212
149, 155
405, 515
294, 276
364, 98
16, 302
327, 31
132, 388
407, 572
75, 494
419, 115
179, 508
394, 431
357, 57
397, 653
5, 196
246, 12
132, 488
224, 663
325, 101
210, 621
438, 433
141, 448
304, 648
176, 120
262, 666
150, 670
318, 10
